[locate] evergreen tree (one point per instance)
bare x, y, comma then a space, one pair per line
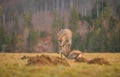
1, 11
2, 31
106, 12
114, 44
2, 36
28, 29
77, 42
98, 39
15, 30
74, 18
58, 24
73, 22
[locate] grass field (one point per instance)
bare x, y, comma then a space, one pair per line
11, 65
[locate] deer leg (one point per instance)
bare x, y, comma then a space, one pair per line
61, 54
70, 43
69, 46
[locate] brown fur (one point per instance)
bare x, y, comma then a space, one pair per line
74, 54
65, 40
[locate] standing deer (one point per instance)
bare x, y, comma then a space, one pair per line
64, 39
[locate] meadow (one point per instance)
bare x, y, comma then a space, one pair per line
11, 65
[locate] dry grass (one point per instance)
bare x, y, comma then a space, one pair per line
11, 65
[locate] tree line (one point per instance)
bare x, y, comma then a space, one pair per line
103, 30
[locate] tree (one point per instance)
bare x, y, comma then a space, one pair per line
32, 40
2, 36
114, 44
106, 12
98, 7
73, 22
43, 34
74, 18
2, 31
97, 37
27, 31
112, 23
1, 11
58, 23
15, 31
77, 42
15, 24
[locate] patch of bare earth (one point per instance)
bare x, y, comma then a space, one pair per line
100, 61
47, 60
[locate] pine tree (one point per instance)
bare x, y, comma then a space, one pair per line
97, 38
2, 31
27, 32
58, 24
114, 44
74, 18
1, 11
2, 36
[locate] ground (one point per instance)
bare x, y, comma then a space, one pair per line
11, 65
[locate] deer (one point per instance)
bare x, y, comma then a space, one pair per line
64, 37
65, 40
74, 54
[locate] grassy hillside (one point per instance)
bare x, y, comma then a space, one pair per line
11, 65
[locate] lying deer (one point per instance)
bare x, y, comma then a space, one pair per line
74, 54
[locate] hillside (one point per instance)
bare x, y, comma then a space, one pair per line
23, 23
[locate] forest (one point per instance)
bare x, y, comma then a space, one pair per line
31, 25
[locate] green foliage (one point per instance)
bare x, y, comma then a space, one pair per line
1, 11
43, 34
10, 42
29, 37
114, 44
28, 20
112, 24
88, 19
15, 24
32, 40
77, 42
55, 43
73, 22
62, 23
7, 41
54, 26
2, 36
58, 23
118, 11
74, 18
103, 37
98, 7
106, 12
97, 38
